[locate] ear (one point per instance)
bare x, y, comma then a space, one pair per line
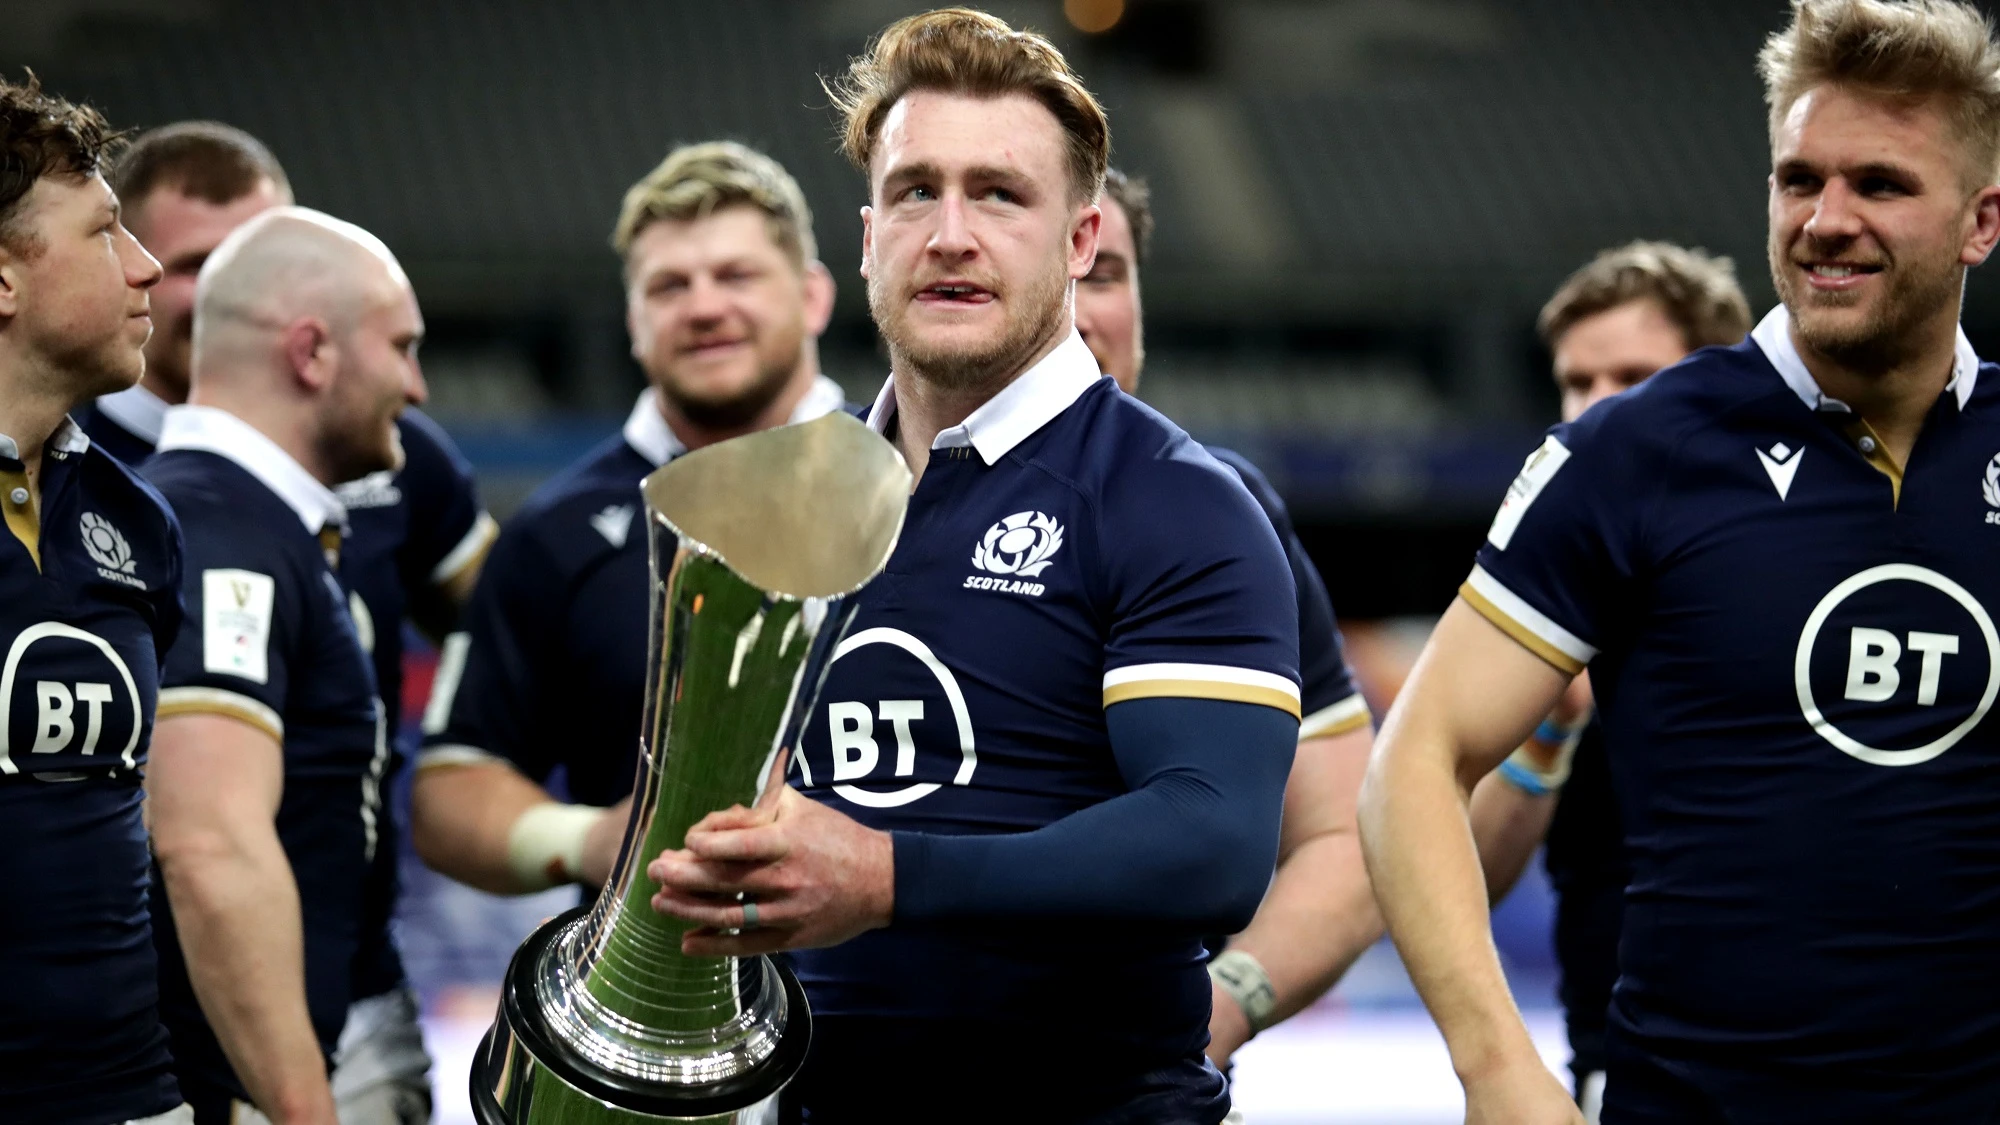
1983, 231
13, 272
634, 330
819, 297
867, 240
1083, 240
310, 353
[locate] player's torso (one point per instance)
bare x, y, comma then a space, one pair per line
79, 673
967, 694
1797, 708
602, 672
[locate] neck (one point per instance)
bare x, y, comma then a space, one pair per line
926, 407
1892, 394
694, 435
282, 418
169, 392
31, 406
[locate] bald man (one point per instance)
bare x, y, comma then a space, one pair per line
268, 757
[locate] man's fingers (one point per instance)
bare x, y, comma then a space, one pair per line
702, 910
748, 943
733, 817
687, 872
761, 844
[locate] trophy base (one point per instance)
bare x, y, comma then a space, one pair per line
523, 1074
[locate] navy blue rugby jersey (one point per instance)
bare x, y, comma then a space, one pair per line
550, 670
90, 584
410, 534
1066, 549
271, 642
1794, 658
1330, 701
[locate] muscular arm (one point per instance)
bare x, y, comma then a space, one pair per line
1508, 824
1319, 914
1473, 696
466, 821
213, 790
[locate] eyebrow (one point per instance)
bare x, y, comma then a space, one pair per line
1882, 168
925, 170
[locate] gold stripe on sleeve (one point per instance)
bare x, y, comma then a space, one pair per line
215, 701
1521, 633
1350, 714
1202, 689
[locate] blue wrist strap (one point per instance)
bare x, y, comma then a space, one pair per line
1524, 779
1554, 733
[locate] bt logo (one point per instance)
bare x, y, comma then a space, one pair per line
1897, 696
857, 731
58, 727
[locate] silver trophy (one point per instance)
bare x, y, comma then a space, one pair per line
755, 545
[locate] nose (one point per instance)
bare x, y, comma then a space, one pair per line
142, 270
706, 301
415, 391
952, 237
1834, 214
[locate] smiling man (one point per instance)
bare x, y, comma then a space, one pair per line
1775, 560
725, 298
1052, 751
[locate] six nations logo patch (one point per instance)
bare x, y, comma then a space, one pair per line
1018, 547
109, 550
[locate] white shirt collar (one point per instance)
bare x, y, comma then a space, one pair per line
647, 432
68, 438
137, 409
216, 431
1774, 335
1023, 406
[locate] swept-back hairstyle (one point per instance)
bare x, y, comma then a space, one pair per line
1907, 50
42, 135
208, 160
1697, 291
962, 51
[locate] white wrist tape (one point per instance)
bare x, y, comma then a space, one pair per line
545, 846
1242, 976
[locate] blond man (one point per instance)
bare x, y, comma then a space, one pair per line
1632, 311
725, 297
1773, 558
1053, 751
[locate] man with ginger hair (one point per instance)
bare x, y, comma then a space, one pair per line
1052, 751
265, 790
1775, 560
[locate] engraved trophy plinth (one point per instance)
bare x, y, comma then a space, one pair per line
755, 544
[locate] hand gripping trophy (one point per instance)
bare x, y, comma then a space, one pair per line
755, 543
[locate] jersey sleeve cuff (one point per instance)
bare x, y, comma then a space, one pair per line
469, 550
218, 701
1526, 624
457, 754
1201, 681
1349, 714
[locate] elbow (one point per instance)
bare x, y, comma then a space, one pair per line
430, 831
1239, 872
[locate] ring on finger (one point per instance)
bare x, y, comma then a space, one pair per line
749, 915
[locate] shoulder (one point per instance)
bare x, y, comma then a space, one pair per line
588, 508
224, 512
1701, 391
1258, 485
427, 449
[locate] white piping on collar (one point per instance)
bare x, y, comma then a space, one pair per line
1031, 401
1773, 335
68, 438
217, 431
647, 432
138, 410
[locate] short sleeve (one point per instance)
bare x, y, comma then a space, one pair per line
1559, 557
246, 604
1201, 598
487, 698
1329, 700
449, 531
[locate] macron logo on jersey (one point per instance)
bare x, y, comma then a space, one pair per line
108, 549
1781, 464
1020, 546
614, 523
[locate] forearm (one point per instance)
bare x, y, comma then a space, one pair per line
236, 908
1191, 845
1508, 824
466, 822
1318, 917
1427, 878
